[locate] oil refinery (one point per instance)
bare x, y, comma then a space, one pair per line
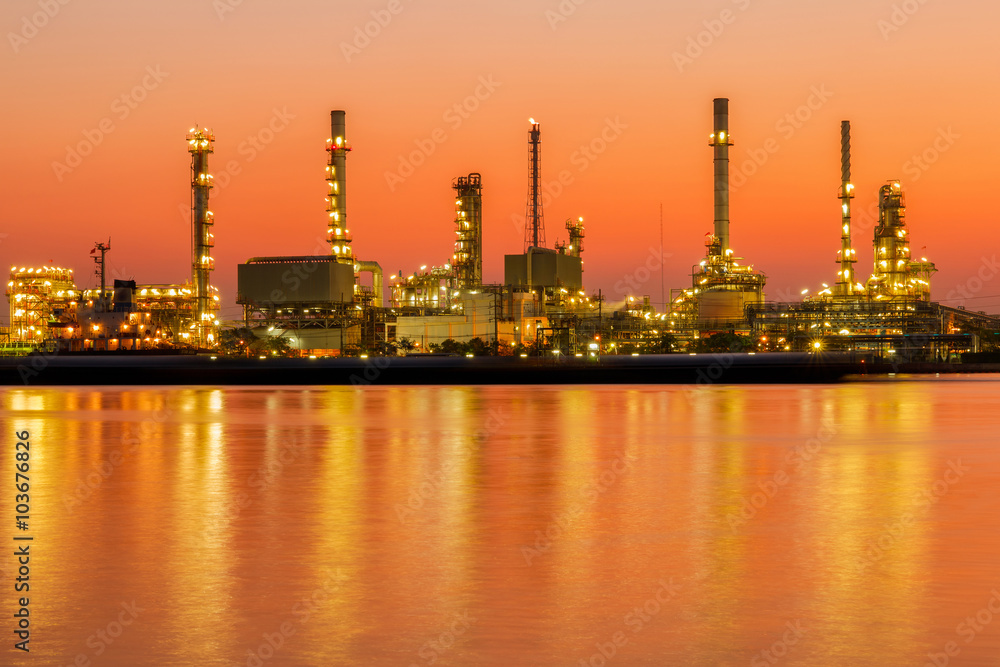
330, 302
46, 305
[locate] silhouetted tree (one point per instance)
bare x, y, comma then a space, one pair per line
724, 342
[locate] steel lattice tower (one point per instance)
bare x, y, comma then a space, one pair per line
534, 224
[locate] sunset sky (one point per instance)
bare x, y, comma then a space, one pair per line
123, 81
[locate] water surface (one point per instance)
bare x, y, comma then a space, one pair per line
851, 524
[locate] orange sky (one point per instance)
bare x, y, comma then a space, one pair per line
904, 80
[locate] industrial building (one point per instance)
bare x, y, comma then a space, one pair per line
331, 303
721, 287
540, 268
47, 305
891, 313
317, 302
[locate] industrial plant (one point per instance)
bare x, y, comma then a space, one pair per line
47, 306
330, 302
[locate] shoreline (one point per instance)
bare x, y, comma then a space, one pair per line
701, 369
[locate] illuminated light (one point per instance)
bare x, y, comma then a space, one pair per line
532, 121
805, 291
817, 345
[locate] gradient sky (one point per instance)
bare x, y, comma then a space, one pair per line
905, 81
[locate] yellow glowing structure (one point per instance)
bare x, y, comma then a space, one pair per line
467, 259
39, 296
895, 274
201, 145
338, 235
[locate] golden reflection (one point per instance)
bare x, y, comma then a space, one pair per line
369, 519
202, 475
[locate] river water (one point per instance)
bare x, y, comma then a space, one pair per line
848, 524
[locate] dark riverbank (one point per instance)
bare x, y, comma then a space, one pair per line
702, 369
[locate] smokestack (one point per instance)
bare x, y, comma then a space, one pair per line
338, 234
845, 151
721, 142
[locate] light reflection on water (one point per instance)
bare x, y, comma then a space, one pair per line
511, 525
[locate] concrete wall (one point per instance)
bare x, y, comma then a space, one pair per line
316, 340
437, 329
477, 321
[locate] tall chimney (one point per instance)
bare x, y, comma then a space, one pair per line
721, 142
338, 234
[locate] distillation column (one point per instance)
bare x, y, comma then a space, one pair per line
200, 145
576, 234
468, 257
534, 226
338, 235
721, 141
892, 251
845, 277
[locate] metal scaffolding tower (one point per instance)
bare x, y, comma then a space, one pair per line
467, 260
534, 225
